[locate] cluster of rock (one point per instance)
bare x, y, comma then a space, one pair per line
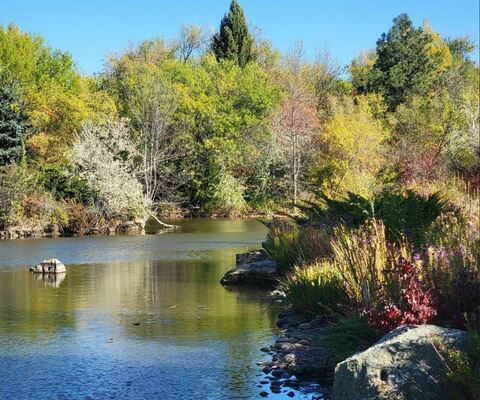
253, 268
405, 364
300, 349
51, 266
36, 230
30, 230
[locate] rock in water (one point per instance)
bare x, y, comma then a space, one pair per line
403, 365
252, 268
51, 266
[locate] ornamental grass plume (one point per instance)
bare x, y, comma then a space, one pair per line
360, 257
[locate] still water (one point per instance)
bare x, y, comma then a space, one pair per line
135, 317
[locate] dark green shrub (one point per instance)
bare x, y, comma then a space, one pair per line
62, 181
403, 213
350, 335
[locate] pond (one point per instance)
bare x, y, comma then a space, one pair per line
135, 317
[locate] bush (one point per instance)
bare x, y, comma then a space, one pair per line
349, 336
403, 213
463, 370
404, 299
228, 197
315, 289
452, 270
64, 183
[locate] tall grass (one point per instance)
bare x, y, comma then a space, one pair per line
315, 289
360, 256
284, 244
452, 266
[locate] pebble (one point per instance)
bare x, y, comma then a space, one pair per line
278, 372
267, 370
291, 394
263, 394
275, 389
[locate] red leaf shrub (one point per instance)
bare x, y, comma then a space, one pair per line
404, 299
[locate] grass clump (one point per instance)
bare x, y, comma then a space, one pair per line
315, 289
350, 335
284, 244
361, 256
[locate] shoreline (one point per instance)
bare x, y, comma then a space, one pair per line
299, 356
133, 227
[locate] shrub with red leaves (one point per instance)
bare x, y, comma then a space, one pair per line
404, 300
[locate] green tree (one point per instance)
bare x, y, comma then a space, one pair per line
409, 62
57, 99
352, 151
13, 125
233, 41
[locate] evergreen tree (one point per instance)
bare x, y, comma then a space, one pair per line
233, 41
13, 125
409, 61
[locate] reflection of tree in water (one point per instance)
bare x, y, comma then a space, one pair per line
35, 307
180, 301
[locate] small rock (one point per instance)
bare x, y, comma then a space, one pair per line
263, 394
278, 372
267, 370
284, 339
304, 325
51, 266
265, 349
275, 389
292, 384
291, 394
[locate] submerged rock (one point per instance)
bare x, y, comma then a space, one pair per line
252, 268
51, 266
403, 365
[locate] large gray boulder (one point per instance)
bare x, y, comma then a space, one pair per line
51, 266
252, 268
403, 365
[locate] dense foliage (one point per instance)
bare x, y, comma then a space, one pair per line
13, 126
223, 124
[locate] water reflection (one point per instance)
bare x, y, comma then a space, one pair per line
147, 320
53, 280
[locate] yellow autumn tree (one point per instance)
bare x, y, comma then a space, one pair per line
351, 150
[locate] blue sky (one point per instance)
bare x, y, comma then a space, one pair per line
92, 29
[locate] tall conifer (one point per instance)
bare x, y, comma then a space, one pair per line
13, 126
233, 41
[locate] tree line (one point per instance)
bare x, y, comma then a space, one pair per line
228, 125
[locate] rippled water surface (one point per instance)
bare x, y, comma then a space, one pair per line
135, 317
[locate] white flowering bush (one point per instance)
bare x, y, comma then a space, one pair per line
105, 156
